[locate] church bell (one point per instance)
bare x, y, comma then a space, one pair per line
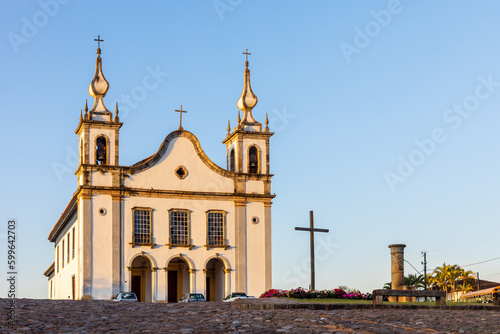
101, 149
101, 155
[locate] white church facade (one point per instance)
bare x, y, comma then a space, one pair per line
170, 224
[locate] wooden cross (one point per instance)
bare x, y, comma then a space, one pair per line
98, 40
246, 54
311, 231
180, 111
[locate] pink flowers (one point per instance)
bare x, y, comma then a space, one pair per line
310, 294
272, 293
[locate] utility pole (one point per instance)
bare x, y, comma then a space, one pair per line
477, 276
424, 254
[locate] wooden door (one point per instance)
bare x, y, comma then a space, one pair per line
208, 297
136, 287
73, 287
172, 286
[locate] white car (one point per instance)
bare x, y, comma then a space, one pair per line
236, 295
125, 297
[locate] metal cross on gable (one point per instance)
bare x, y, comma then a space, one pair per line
311, 231
180, 111
98, 40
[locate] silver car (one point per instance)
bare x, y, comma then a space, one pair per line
125, 297
192, 297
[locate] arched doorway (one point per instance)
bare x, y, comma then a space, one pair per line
214, 280
140, 278
177, 277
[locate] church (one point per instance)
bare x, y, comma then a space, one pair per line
170, 224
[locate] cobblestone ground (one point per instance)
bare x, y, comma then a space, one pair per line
45, 316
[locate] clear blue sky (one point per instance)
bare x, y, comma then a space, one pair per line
386, 117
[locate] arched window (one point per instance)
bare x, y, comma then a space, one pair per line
253, 160
100, 151
232, 161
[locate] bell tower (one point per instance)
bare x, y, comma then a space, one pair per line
248, 145
98, 130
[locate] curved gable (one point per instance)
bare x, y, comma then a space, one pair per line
155, 158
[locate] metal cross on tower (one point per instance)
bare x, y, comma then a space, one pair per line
180, 111
98, 40
311, 231
246, 53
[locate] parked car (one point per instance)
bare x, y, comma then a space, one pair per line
192, 297
125, 297
236, 295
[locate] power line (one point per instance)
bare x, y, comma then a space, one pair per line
418, 272
472, 264
460, 246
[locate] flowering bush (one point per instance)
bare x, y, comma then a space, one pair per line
489, 301
310, 294
272, 293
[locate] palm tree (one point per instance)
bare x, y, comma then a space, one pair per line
465, 287
446, 277
388, 286
430, 282
439, 280
454, 273
418, 281
440, 277
466, 275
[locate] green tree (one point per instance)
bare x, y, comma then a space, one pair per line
467, 276
388, 286
417, 281
440, 277
447, 276
465, 287
454, 273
